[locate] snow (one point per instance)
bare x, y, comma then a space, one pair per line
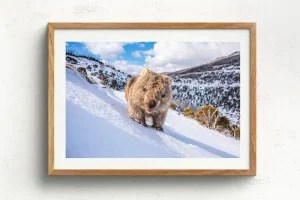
98, 126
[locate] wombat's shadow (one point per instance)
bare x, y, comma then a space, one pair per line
173, 133
169, 131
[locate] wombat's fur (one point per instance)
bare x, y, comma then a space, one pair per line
149, 95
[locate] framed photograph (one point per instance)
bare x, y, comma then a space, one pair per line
152, 99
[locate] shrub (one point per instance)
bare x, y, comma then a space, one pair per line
94, 74
235, 131
182, 105
113, 83
70, 66
71, 60
89, 68
101, 76
208, 115
82, 70
223, 123
172, 106
188, 113
104, 81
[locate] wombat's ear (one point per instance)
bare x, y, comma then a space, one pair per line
167, 79
145, 71
170, 79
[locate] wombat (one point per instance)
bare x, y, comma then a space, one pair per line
149, 95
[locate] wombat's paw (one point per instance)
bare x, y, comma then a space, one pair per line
144, 124
158, 128
140, 122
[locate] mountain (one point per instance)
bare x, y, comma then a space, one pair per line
97, 71
98, 125
216, 83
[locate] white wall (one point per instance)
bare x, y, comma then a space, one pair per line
23, 102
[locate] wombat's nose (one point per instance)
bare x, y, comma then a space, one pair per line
152, 104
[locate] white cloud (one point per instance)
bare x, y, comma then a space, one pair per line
106, 50
172, 56
136, 54
148, 52
124, 66
165, 56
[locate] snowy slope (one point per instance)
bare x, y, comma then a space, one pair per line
98, 126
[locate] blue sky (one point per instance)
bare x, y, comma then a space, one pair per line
157, 56
128, 54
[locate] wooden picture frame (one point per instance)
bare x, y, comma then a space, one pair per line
52, 27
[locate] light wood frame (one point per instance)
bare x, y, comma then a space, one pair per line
249, 26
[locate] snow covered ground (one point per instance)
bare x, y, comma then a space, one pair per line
98, 126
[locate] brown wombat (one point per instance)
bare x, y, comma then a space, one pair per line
149, 95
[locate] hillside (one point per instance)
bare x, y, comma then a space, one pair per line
98, 126
216, 83
98, 71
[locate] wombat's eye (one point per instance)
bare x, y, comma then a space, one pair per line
144, 90
163, 96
